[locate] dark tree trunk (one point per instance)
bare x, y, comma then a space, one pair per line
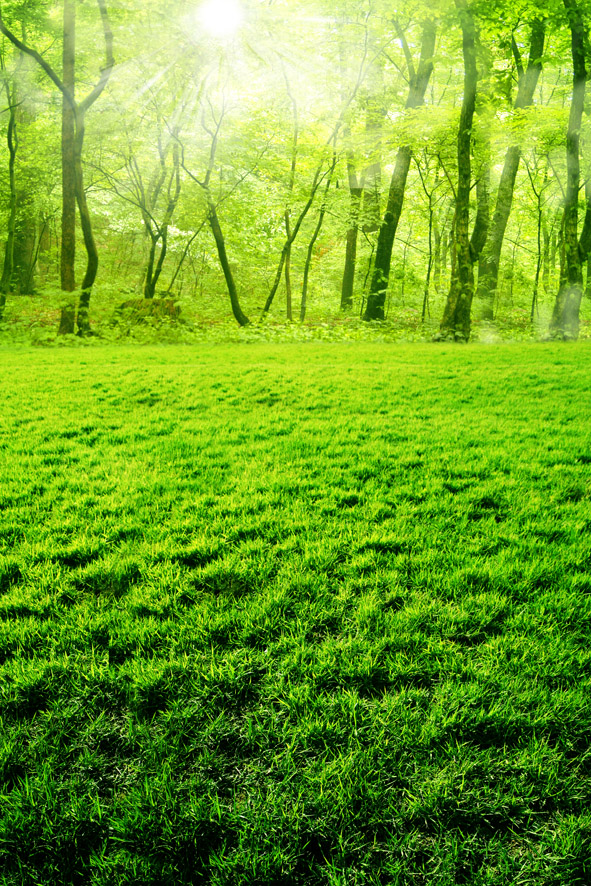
86, 225
565, 317
7, 272
419, 81
160, 262
489, 266
456, 321
149, 282
68, 244
220, 243
355, 191
348, 284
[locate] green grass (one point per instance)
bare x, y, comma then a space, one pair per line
295, 614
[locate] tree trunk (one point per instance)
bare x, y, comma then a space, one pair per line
564, 324
419, 81
355, 191
348, 284
160, 262
220, 243
86, 225
68, 244
489, 266
456, 321
7, 271
149, 282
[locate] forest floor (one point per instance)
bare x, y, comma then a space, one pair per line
296, 614
35, 320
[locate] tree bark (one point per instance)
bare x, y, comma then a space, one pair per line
12, 141
564, 324
456, 321
489, 265
149, 282
355, 191
419, 81
87, 233
220, 243
68, 244
67, 324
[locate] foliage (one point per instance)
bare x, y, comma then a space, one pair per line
252, 83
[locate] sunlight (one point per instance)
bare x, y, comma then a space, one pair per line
221, 18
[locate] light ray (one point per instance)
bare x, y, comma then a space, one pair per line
221, 18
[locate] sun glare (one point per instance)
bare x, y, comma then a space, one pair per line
221, 18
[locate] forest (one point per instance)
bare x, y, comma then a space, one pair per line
296, 160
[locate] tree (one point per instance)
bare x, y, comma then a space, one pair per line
79, 110
456, 321
418, 82
565, 316
213, 130
68, 243
12, 144
528, 80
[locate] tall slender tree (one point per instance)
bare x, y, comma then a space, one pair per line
565, 316
79, 110
456, 321
68, 242
490, 260
12, 144
419, 80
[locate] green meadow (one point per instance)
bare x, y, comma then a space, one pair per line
295, 614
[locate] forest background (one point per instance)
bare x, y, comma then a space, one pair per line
422, 164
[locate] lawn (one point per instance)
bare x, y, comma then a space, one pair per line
295, 614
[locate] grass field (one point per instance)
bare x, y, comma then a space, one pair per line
295, 614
